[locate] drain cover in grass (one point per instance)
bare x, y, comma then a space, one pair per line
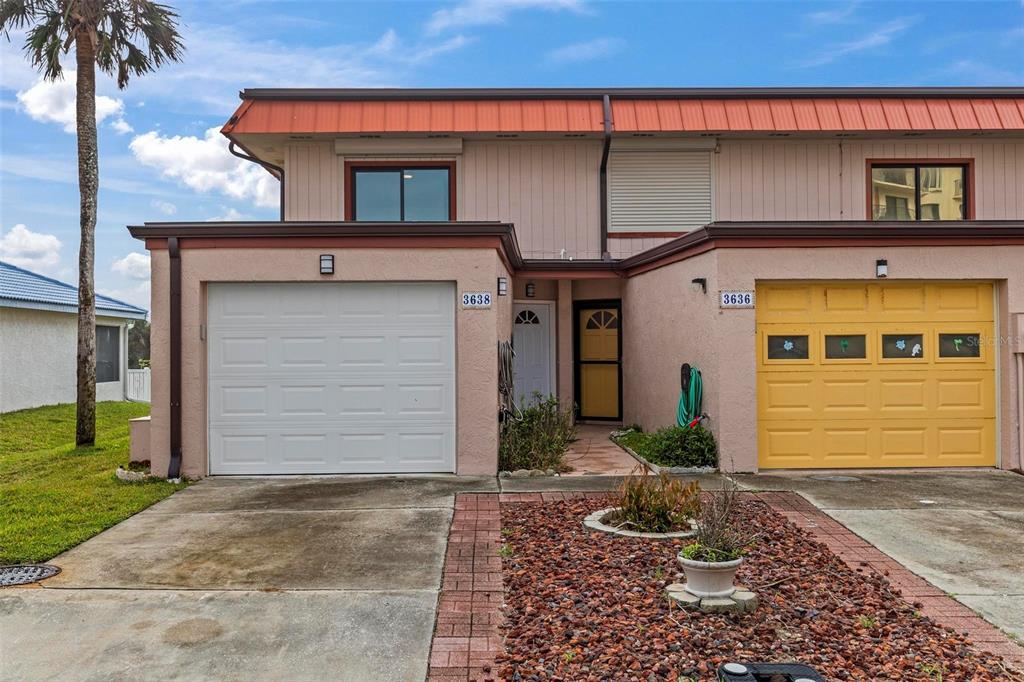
24, 574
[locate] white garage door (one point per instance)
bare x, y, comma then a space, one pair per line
331, 378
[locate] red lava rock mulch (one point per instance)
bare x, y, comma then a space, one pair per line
584, 606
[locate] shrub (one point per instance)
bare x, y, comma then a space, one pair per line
719, 537
656, 504
538, 438
676, 446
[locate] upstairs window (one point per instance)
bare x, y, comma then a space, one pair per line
919, 191
400, 193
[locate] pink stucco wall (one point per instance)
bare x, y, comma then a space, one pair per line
666, 323
477, 332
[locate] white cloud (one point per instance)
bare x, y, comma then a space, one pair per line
205, 165
54, 102
136, 294
837, 15
165, 207
881, 36
585, 51
121, 126
134, 265
486, 12
32, 250
229, 214
201, 83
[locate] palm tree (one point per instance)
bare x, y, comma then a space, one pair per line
124, 38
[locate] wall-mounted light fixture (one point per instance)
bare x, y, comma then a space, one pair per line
531, 290
699, 284
326, 264
503, 286
881, 268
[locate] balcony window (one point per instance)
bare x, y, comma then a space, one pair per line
918, 191
393, 194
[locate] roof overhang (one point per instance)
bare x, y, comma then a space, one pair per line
71, 309
501, 236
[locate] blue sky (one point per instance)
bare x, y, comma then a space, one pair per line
161, 159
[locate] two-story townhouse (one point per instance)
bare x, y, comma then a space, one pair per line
845, 267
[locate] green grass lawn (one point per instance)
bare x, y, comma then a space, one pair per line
53, 495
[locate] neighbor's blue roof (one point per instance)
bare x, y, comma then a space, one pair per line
20, 288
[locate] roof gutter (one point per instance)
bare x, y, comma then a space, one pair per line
606, 102
271, 168
174, 467
381, 94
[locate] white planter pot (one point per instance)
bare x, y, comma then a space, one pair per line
710, 578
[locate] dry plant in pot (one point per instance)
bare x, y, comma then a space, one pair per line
711, 561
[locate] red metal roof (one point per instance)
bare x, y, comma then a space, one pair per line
817, 115
438, 116
795, 114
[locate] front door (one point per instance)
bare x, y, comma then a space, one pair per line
599, 359
531, 338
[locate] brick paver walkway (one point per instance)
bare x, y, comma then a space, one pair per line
467, 638
592, 453
861, 555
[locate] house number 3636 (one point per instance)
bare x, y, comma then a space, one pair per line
476, 299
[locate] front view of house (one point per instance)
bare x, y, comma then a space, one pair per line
845, 267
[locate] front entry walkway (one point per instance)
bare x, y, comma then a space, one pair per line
244, 579
962, 530
594, 454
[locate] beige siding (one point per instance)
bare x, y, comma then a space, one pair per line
548, 189
825, 179
312, 182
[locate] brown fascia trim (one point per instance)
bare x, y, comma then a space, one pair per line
777, 234
817, 234
247, 230
371, 94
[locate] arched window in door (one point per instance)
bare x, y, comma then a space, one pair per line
603, 319
527, 317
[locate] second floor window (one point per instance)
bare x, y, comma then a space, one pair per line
390, 194
901, 191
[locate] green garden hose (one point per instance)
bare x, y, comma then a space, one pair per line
691, 397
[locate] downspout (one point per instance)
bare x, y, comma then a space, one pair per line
271, 168
1020, 409
174, 468
607, 102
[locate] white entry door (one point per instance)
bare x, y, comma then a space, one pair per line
534, 360
326, 378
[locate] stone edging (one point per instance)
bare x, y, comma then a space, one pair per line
860, 555
657, 470
593, 522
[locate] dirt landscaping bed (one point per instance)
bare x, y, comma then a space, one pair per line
583, 606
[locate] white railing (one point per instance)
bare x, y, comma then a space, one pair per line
137, 387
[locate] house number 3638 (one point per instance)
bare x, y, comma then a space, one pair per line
476, 299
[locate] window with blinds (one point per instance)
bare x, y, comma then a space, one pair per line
659, 191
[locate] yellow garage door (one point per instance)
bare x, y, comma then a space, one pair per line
893, 374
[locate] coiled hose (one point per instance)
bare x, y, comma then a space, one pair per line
507, 408
691, 398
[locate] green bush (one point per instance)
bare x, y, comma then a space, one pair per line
538, 438
675, 446
655, 504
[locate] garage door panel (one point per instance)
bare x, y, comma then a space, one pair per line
304, 351
366, 384
913, 385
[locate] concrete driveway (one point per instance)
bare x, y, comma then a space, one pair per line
961, 530
245, 579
